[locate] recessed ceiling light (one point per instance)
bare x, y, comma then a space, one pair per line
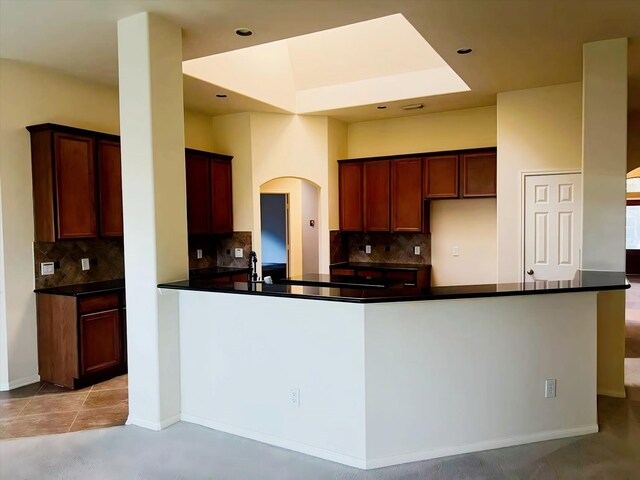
381, 107
414, 106
221, 95
464, 51
244, 32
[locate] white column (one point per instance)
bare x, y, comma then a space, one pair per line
153, 185
604, 154
604, 168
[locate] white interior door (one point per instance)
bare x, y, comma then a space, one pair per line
553, 226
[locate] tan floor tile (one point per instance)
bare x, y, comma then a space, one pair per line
100, 417
4, 423
106, 398
12, 407
54, 403
117, 382
40, 424
48, 388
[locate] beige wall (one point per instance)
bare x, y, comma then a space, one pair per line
539, 130
459, 129
338, 149
31, 95
470, 225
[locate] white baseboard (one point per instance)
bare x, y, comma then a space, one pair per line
149, 425
477, 447
392, 460
612, 393
278, 442
20, 382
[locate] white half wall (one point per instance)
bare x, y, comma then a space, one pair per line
239, 364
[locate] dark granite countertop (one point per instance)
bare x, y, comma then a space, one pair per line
339, 281
380, 266
214, 272
584, 281
84, 288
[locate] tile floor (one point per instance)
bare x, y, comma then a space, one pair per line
43, 408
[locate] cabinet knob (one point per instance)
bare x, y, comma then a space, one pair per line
529, 272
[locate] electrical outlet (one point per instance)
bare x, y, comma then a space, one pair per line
85, 264
47, 268
456, 251
199, 253
550, 388
367, 249
416, 250
294, 396
238, 253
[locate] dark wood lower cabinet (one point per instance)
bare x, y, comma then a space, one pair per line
81, 339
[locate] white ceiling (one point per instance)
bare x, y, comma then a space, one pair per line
517, 43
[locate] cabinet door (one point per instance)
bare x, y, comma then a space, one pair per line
198, 193
110, 181
478, 174
75, 186
101, 341
406, 195
350, 186
376, 196
221, 197
441, 177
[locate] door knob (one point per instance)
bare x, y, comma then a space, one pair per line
529, 272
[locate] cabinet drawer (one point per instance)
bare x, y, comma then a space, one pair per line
348, 272
98, 302
370, 273
407, 277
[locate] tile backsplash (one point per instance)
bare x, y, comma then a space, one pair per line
106, 255
214, 250
385, 247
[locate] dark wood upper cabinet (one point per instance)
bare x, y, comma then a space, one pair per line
441, 177
350, 197
376, 181
198, 193
110, 188
209, 193
406, 195
221, 197
478, 174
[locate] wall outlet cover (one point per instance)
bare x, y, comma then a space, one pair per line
47, 268
456, 251
550, 388
199, 253
416, 250
238, 253
294, 396
367, 249
85, 264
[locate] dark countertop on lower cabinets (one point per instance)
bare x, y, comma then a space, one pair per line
380, 266
584, 281
340, 281
215, 272
84, 288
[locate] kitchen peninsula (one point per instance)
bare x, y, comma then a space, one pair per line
370, 375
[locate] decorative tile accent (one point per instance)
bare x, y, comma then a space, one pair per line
400, 247
108, 253
338, 247
230, 243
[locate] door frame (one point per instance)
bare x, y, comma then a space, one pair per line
523, 178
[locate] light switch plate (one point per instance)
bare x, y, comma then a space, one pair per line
238, 253
199, 253
416, 250
367, 249
47, 268
85, 264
